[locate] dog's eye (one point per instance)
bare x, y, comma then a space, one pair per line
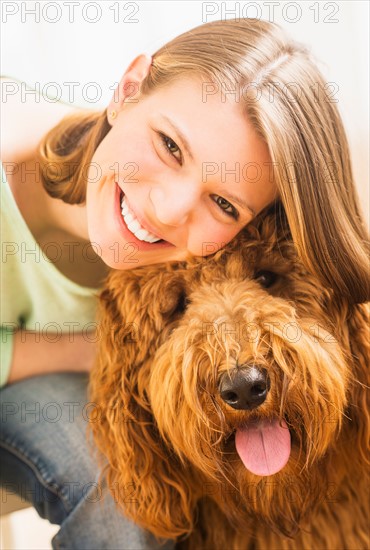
182, 303
265, 278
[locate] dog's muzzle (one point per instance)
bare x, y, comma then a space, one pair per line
244, 388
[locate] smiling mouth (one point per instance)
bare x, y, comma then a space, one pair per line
134, 225
140, 235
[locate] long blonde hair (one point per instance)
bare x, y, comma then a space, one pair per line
283, 94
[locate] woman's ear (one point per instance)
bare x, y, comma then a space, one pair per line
129, 85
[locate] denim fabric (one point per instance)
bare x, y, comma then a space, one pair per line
46, 459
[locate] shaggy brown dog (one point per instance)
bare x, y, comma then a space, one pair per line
231, 400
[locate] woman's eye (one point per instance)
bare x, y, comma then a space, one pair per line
170, 146
222, 203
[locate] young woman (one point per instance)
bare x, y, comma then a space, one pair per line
217, 126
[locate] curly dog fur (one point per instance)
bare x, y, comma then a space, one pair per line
169, 333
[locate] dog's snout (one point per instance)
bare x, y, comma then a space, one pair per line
244, 388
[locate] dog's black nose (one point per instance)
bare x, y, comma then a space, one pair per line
244, 388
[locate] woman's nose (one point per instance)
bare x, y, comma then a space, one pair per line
174, 206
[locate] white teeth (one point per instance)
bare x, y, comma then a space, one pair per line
135, 227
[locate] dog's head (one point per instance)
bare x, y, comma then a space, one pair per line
237, 381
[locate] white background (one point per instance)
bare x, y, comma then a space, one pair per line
38, 51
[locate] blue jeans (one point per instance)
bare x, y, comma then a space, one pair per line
46, 459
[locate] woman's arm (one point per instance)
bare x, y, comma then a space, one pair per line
35, 116
31, 357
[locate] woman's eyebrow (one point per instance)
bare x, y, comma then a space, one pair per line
185, 142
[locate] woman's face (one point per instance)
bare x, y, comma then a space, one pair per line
185, 163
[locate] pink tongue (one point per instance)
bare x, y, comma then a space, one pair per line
263, 446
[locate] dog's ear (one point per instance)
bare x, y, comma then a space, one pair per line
315, 371
137, 310
148, 482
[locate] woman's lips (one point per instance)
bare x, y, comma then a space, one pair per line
129, 236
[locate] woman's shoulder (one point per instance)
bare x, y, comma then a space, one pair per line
26, 116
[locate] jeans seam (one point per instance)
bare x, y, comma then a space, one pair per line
39, 476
